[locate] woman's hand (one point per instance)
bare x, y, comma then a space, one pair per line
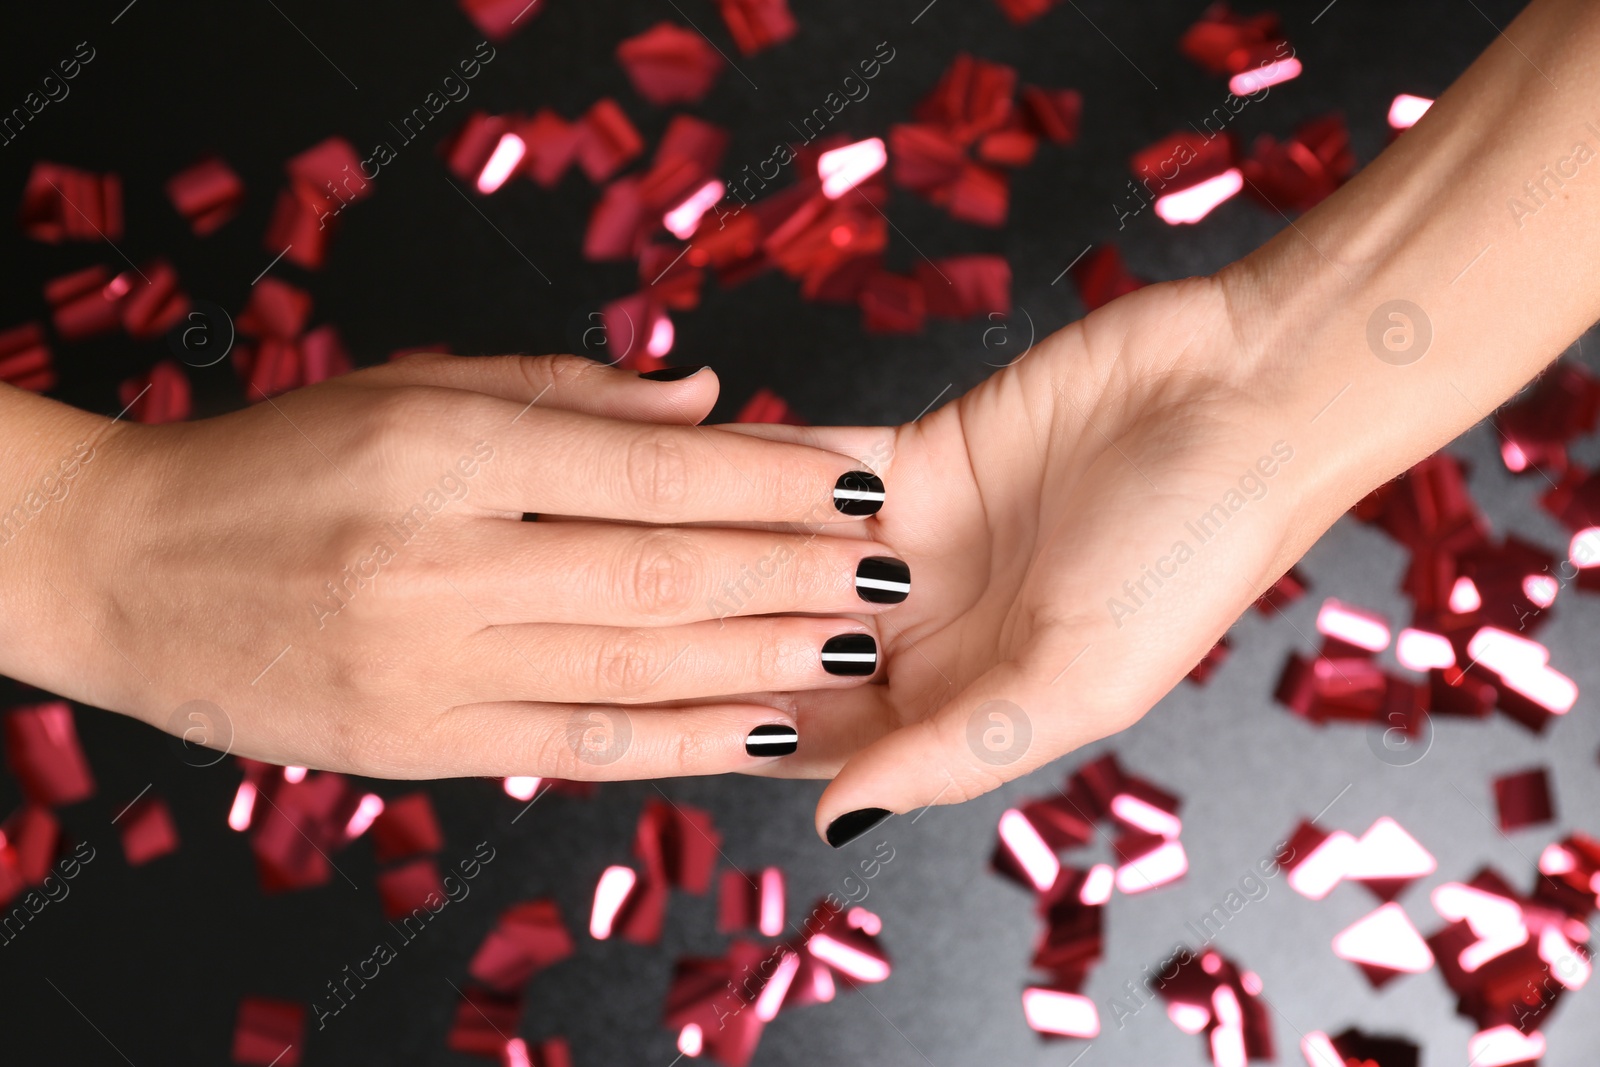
1083, 526
343, 571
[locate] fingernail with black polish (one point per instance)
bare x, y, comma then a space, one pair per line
852, 824
855, 654
772, 739
882, 580
858, 493
671, 374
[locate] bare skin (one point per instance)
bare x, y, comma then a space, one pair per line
344, 573
1061, 487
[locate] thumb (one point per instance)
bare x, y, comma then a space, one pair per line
1008, 722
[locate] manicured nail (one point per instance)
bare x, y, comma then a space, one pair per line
773, 739
858, 493
671, 374
852, 824
881, 580
850, 654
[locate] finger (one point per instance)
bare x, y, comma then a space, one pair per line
603, 574
596, 742
567, 463
1005, 724
567, 383
872, 446
837, 723
603, 664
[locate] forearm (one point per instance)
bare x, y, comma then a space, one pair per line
1485, 216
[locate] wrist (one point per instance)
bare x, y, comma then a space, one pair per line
52, 455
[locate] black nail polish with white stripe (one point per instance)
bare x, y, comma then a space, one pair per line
882, 580
772, 739
858, 493
850, 654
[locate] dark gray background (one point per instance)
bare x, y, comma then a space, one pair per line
156, 959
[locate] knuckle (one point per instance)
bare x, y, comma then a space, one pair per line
657, 471
629, 664
816, 575
397, 422
777, 658
660, 575
692, 748
556, 373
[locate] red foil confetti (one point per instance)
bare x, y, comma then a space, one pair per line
1214, 658
1301, 172
1021, 12
406, 827
1535, 430
276, 309
1187, 174
30, 842
1223, 42
528, 938
153, 304
499, 19
1524, 799
1384, 944
1355, 1047
294, 836
25, 359
1053, 114
42, 750
766, 406
1101, 277
269, 1033
483, 1018
147, 829
411, 887
679, 843
1209, 995
331, 168
86, 303
207, 194
302, 224
964, 287
668, 64
550, 146
551, 1052
607, 141
758, 24
63, 204
749, 900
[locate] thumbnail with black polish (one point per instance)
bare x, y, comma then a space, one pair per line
852, 824
671, 374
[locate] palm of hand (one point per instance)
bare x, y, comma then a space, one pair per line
1022, 510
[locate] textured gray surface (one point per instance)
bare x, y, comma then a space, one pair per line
157, 958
